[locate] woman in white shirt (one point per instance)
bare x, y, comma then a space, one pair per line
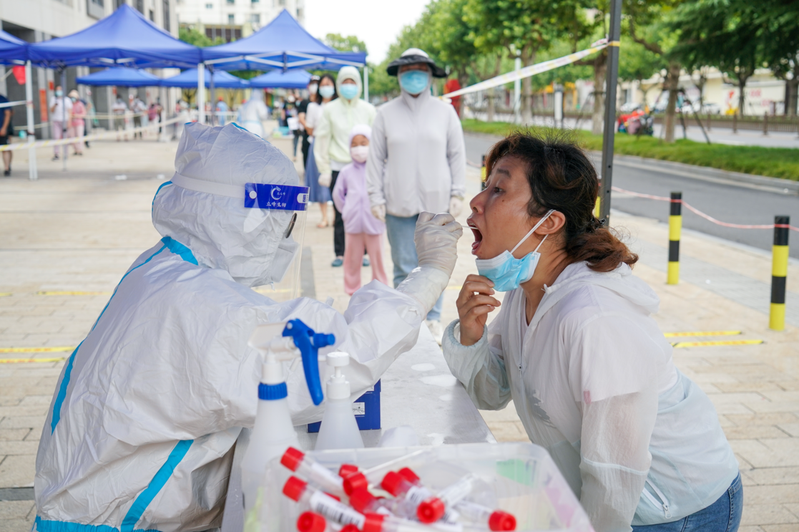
576, 349
313, 113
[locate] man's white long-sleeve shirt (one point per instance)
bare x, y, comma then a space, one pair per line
417, 158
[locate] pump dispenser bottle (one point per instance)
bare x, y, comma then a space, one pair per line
273, 432
339, 428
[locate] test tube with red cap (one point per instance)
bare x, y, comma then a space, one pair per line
405, 484
373, 475
497, 520
314, 522
433, 508
313, 471
388, 523
321, 503
346, 470
365, 502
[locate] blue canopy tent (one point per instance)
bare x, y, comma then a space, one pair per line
13, 51
188, 79
121, 76
277, 79
282, 44
124, 38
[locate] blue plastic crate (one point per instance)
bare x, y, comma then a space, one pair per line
367, 411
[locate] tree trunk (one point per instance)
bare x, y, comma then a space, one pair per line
528, 57
463, 79
741, 95
600, 72
491, 99
791, 91
672, 84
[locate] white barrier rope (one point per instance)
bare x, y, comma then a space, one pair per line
531, 70
12, 104
72, 140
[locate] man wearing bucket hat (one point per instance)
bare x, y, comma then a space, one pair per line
417, 162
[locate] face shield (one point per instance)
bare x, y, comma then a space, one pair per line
270, 229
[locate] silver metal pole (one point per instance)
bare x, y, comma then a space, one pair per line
213, 95
610, 112
517, 89
201, 93
33, 174
366, 82
64, 147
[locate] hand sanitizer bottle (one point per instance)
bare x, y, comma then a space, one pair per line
339, 428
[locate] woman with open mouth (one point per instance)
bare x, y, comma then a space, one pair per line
576, 349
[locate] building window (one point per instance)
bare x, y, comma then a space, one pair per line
231, 20
152, 16
255, 1
281, 3
95, 8
140, 6
209, 6
119, 3
255, 18
167, 25
231, 1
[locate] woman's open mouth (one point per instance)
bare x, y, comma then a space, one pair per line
478, 237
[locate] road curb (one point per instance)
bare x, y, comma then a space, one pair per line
785, 186
704, 173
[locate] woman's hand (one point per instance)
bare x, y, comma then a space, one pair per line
474, 303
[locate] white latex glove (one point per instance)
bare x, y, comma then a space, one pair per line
379, 212
436, 239
325, 179
455, 206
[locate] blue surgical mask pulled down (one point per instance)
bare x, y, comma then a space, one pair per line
506, 271
348, 91
414, 81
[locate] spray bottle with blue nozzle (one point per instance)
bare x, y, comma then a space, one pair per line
273, 432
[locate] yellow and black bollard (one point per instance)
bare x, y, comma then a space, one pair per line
675, 227
779, 273
483, 175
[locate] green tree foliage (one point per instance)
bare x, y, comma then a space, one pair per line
737, 37
524, 26
350, 43
197, 38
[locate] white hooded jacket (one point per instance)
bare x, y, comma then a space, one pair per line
332, 133
593, 382
417, 156
142, 426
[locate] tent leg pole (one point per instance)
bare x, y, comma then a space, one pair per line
213, 96
64, 128
201, 93
366, 82
33, 175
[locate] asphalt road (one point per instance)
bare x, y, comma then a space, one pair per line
726, 202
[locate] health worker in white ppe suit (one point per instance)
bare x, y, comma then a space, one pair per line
577, 350
142, 427
254, 113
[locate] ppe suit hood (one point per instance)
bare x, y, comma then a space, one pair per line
360, 129
621, 281
349, 72
219, 230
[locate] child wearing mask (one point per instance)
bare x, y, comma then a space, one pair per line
362, 230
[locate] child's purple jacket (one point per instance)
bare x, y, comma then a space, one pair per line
352, 201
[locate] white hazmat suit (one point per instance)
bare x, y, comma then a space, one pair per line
254, 113
142, 426
593, 382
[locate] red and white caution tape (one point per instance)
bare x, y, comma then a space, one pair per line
703, 215
531, 70
72, 140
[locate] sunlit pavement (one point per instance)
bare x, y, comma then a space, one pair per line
68, 238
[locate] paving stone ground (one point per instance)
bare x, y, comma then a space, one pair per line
78, 231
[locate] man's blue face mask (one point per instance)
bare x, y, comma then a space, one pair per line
414, 81
348, 91
506, 271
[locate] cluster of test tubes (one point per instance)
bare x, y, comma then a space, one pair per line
411, 508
